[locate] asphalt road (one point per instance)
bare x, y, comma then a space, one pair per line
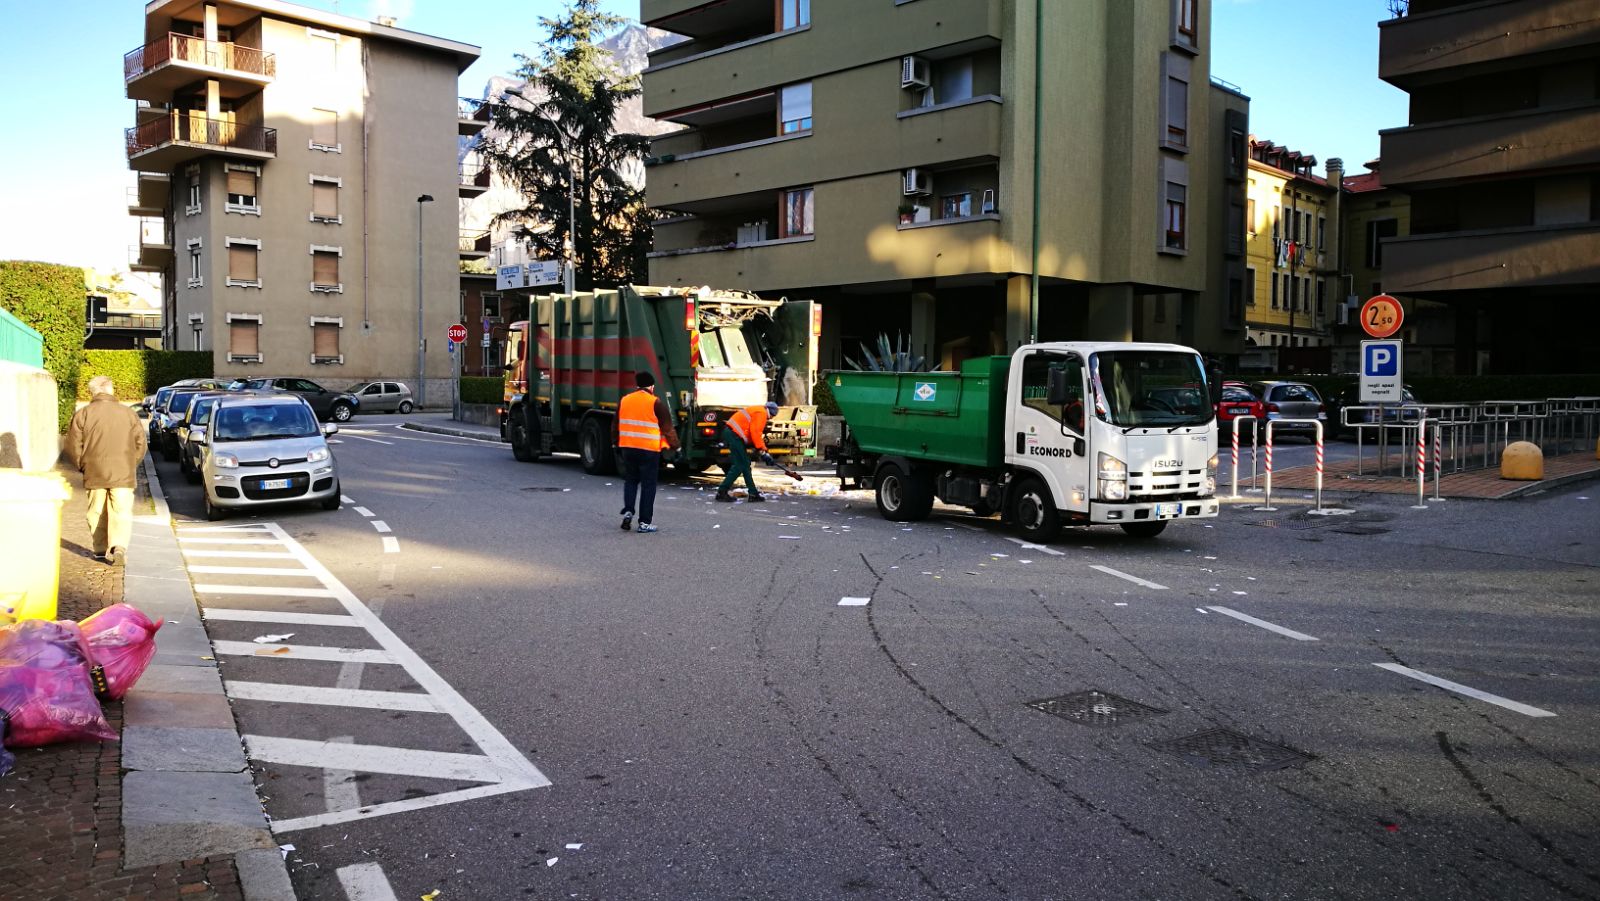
712, 723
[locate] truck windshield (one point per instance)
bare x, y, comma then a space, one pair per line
1135, 388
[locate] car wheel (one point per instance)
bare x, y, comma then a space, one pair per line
1034, 512
214, 512
405, 406
1144, 529
594, 446
341, 413
332, 502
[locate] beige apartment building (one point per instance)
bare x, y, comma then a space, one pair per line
281, 155
1501, 160
879, 156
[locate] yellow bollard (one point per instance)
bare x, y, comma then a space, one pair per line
30, 543
1522, 461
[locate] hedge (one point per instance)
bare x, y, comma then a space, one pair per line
50, 298
482, 389
140, 372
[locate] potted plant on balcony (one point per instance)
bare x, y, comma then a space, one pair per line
908, 213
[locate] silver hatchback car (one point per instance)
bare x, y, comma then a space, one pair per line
383, 397
266, 449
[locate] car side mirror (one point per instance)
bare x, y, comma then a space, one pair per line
144, 412
198, 437
1056, 388
329, 428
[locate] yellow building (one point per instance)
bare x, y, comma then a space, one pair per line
1292, 217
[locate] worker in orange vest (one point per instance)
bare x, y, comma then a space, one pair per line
641, 430
745, 427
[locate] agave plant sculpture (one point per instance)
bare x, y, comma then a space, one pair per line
888, 358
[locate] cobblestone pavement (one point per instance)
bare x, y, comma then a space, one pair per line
61, 807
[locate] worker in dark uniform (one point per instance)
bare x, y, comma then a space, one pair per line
641, 430
745, 427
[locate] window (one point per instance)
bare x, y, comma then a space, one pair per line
324, 199
1250, 214
325, 269
324, 51
325, 341
1274, 214
325, 130
1187, 30
491, 306
244, 338
1176, 216
196, 274
243, 262
1378, 230
952, 80
1322, 232
793, 14
1294, 294
192, 208
1274, 278
799, 213
1177, 112
956, 206
795, 114
1250, 288
243, 186
1322, 295
1036, 369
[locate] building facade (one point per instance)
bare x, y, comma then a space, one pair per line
912, 165
1501, 159
1293, 280
283, 157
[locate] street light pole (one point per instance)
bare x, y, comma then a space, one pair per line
571, 280
422, 384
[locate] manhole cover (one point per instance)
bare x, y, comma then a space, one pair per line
543, 488
1095, 708
1224, 747
1361, 530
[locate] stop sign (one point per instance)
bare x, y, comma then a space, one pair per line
456, 333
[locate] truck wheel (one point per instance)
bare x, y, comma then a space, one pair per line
902, 496
1034, 512
594, 446
1144, 529
523, 438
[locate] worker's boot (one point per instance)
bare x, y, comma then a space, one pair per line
754, 497
724, 497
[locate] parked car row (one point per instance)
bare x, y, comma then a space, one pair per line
1282, 400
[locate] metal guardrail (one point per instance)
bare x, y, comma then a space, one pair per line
1469, 436
199, 51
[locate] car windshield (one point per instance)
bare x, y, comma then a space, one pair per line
162, 395
263, 422
357, 388
1148, 388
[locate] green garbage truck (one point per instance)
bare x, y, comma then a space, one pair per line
712, 353
1071, 433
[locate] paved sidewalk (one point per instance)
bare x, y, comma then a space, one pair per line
1481, 484
184, 821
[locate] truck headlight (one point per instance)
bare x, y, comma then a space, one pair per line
1113, 477
317, 455
225, 461
1209, 485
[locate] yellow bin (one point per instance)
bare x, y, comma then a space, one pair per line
30, 543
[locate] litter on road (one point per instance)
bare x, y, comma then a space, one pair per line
272, 639
575, 846
853, 602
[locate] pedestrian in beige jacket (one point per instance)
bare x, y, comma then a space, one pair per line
106, 441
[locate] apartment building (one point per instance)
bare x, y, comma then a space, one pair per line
1501, 159
912, 165
1293, 282
298, 170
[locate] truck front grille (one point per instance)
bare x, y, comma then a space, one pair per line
1166, 483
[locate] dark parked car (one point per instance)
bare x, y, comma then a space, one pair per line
1351, 397
338, 406
151, 406
169, 416
1238, 400
1292, 400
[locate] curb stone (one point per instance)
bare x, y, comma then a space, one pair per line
485, 433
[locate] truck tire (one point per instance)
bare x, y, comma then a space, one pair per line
902, 496
1034, 512
1144, 529
594, 446
524, 438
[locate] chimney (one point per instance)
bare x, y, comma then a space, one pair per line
386, 21
1335, 170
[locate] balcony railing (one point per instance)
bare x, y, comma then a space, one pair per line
472, 242
473, 176
197, 128
184, 48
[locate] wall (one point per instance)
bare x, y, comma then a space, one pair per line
29, 434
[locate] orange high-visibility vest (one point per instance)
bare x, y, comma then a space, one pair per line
636, 422
751, 425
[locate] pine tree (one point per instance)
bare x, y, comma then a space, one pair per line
562, 138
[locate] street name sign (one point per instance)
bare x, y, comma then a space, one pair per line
1382, 381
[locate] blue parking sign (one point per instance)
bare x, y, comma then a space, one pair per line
1380, 359
1381, 364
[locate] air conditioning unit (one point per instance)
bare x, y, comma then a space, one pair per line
914, 72
917, 181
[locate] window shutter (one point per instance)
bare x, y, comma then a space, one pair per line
241, 183
325, 339
324, 268
324, 199
242, 263
243, 338
324, 127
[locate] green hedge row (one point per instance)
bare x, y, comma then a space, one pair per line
50, 298
482, 389
1462, 389
140, 372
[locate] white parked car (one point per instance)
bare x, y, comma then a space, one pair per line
267, 449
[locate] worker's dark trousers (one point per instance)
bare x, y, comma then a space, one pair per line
640, 468
738, 463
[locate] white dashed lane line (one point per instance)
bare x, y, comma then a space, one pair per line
1134, 579
365, 512
1261, 623
391, 545
381, 526
1460, 689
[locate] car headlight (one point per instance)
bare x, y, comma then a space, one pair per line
1113, 476
317, 455
225, 461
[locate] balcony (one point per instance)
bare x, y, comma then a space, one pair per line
472, 180
472, 117
1414, 47
1491, 146
473, 244
153, 72
150, 196
183, 135
153, 253
1524, 257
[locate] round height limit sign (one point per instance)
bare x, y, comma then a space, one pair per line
1381, 316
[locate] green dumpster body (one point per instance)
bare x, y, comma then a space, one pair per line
945, 417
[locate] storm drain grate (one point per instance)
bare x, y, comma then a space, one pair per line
543, 488
1224, 747
1362, 530
1095, 708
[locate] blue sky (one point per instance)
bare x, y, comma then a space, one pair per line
1312, 80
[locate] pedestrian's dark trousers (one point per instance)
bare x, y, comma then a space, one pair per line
640, 468
737, 464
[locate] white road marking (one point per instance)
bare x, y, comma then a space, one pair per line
365, 512
391, 545
329, 697
243, 527
346, 499
226, 540
250, 571
381, 526
374, 759
1036, 547
317, 821
283, 616
254, 555
364, 881
365, 438
340, 787
1244, 618
302, 652
484, 440
854, 602
1134, 579
1458, 688
201, 588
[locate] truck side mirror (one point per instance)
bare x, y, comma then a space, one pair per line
1214, 382
1056, 392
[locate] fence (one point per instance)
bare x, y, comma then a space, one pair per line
1470, 436
20, 342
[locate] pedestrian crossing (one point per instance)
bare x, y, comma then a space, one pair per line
241, 592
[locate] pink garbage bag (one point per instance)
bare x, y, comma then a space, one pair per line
45, 688
122, 639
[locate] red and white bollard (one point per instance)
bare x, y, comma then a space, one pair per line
1319, 466
1438, 459
1422, 464
1267, 505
